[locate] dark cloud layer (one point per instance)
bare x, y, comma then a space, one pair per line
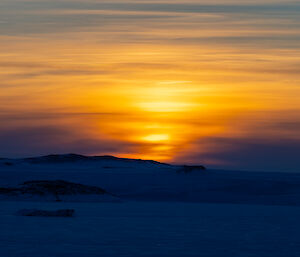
251, 153
30, 17
159, 6
39, 140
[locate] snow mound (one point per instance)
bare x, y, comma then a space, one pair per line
45, 213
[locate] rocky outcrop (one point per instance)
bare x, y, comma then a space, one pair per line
56, 190
67, 213
190, 169
59, 187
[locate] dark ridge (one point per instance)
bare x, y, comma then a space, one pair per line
109, 157
57, 158
67, 158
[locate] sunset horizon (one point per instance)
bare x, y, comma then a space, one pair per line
212, 82
150, 128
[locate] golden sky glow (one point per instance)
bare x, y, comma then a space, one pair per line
163, 80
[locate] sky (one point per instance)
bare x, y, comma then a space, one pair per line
192, 82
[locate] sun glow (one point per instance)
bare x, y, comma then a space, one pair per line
165, 106
156, 138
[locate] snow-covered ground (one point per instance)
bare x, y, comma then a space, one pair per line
151, 229
161, 210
